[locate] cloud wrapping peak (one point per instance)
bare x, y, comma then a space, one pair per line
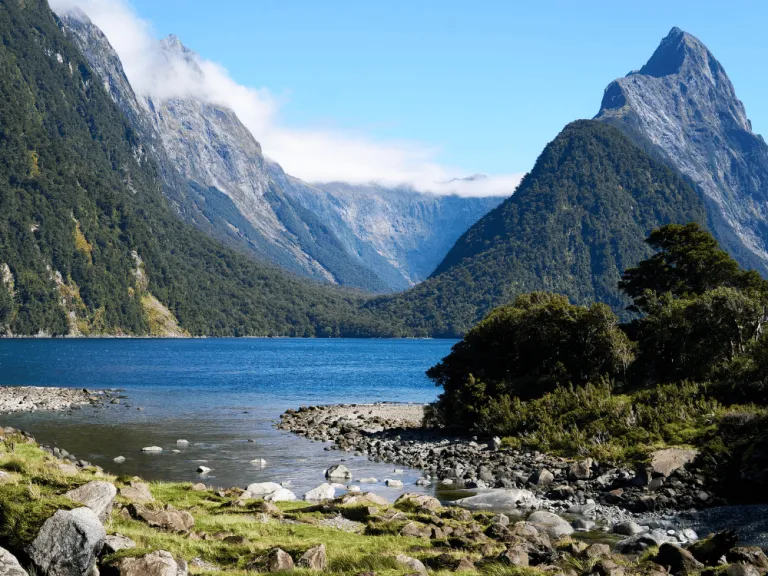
166, 70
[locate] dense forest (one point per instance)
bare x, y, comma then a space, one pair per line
574, 224
86, 234
691, 368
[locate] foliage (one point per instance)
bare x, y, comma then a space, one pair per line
527, 349
575, 223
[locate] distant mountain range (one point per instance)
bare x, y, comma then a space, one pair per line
124, 215
369, 237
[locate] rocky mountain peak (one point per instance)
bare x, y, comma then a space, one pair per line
676, 50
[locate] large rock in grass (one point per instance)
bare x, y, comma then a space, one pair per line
277, 560
168, 518
550, 523
158, 563
677, 560
98, 496
282, 495
262, 489
68, 543
412, 564
421, 502
116, 542
9, 566
322, 492
314, 558
137, 492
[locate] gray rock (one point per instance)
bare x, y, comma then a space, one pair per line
412, 564
638, 543
116, 542
581, 470
338, 471
550, 523
9, 566
151, 449
68, 543
314, 558
137, 492
322, 492
582, 525
281, 495
541, 477
98, 496
277, 560
119, 460
503, 500
158, 563
628, 528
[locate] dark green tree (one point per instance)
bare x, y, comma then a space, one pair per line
525, 350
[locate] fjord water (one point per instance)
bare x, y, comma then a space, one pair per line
218, 394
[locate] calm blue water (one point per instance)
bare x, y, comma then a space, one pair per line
217, 394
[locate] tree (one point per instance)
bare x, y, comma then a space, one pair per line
525, 350
688, 262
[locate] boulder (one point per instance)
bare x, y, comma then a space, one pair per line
115, 542
322, 492
628, 528
749, 555
666, 461
581, 470
710, 550
119, 460
393, 483
9, 566
282, 495
98, 496
203, 469
740, 569
638, 543
152, 449
541, 477
137, 492
199, 487
597, 550
421, 502
412, 564
516, 556
677, 560
276, 560
550, 523
166, 519
499, 499
68, 543
314, 558
158, 563
260, 462
338, 471
262, 489
368, 480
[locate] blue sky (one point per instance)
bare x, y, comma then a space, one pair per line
485, 84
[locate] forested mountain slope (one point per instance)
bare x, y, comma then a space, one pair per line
88, 243
575, 223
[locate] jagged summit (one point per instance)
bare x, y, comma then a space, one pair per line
682, 107
172, 43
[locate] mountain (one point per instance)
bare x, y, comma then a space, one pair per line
88, 241
218, 179
682, 108
575, 223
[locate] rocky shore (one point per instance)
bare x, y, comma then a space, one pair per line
597, 491
36, 398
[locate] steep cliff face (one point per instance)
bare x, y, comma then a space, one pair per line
682, 107
215, 173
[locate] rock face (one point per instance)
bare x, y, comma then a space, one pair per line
215, 174
98, 496
9, 566
682, 106
68, 543
665, 462
159, 563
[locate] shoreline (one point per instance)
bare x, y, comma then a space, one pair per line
14, 399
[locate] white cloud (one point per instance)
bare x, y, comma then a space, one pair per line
314, 155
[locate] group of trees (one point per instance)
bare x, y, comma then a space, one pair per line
698, 318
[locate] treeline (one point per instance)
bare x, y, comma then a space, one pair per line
690, 368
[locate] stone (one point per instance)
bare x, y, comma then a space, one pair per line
393, 483
748, 555
368, 481
166, 519
412, 564
199, 487
353, 489
638, 543
583, 525
98, 496
262, 489
158, 563
116, 542
68, 543
314, 558
677, 560
182, 442
607, 567
550, 523
597, 550
203, 469
260, 462
421, 502
9, 565
119, 460
281, 495
276, 560
541, 477
710, 550
628, 528
502, 519
740, 569
137, 492
668, 460
322, 492
152, 449
338, 471
581, 470
501, 499
515, 556
413, 530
